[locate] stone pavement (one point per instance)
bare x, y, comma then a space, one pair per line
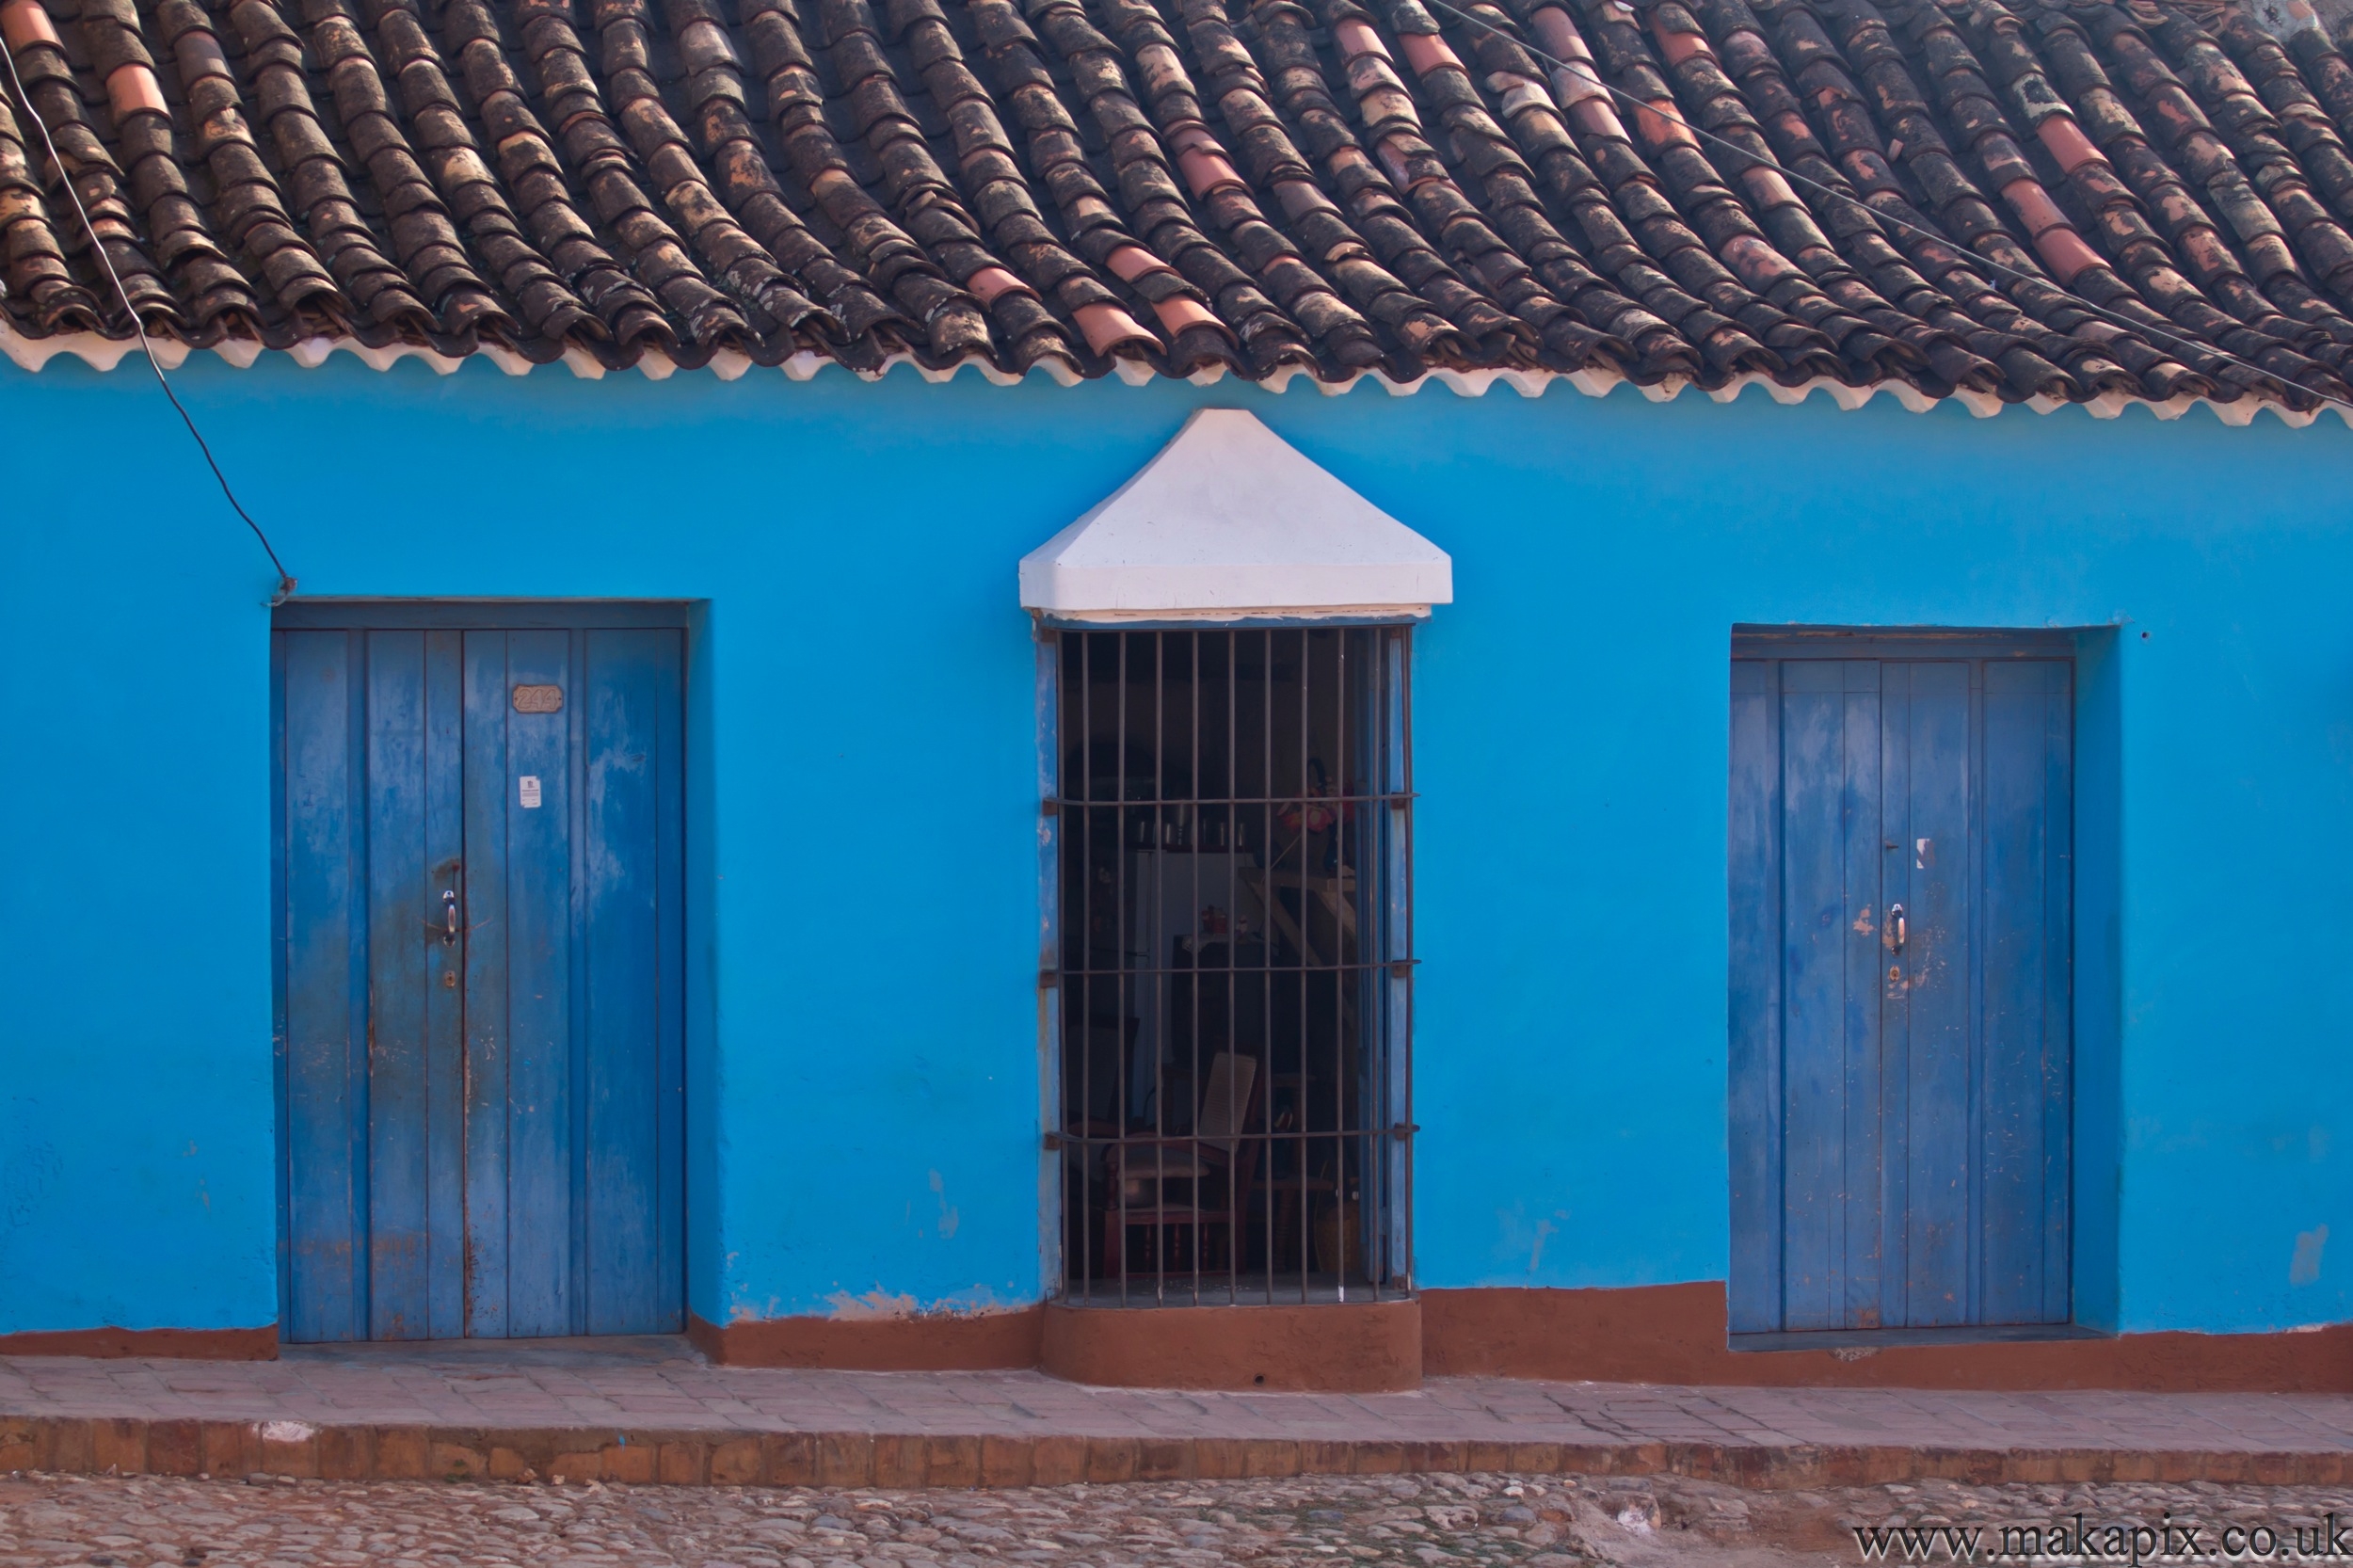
1426, 1521
653, 1411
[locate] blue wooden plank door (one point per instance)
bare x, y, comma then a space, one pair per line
1900, 1030
481, 1017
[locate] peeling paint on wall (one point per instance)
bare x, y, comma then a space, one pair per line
880, 1307
875, 1306
2304, 1267
947, 1217
1536, 1252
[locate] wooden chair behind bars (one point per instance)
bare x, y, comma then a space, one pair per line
1214, 1168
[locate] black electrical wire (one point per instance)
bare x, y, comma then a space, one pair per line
1592, 74
64, 178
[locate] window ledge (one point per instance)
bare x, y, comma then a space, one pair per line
1894, 1338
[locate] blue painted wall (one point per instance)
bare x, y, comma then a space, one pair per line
863, 858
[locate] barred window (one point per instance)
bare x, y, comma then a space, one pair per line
1231, 831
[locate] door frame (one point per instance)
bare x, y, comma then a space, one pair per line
2094, 941
687, 616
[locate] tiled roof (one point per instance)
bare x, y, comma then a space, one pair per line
1258, 186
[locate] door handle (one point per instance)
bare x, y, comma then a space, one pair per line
449, 918
1896, 926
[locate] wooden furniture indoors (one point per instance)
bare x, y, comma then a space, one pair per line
1197, 1186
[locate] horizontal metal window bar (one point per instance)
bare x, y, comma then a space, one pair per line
1132, 970
1066, 1139
1105, 803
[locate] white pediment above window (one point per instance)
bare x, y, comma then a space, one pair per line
1231, 523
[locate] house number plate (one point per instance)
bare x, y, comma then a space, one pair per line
538, 699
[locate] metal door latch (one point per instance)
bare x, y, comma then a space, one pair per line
449, 918
1896, 927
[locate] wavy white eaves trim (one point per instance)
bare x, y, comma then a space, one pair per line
104, 353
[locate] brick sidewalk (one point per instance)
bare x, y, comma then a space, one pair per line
655, 1412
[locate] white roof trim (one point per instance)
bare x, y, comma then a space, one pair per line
103, 353
1230, 522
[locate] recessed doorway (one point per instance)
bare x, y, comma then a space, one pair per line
480, 1013
1901, 881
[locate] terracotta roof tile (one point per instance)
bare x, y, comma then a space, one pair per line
1253, 186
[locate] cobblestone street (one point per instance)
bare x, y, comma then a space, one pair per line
1556, 1522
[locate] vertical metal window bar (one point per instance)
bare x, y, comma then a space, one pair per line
1122, 648
1053, 1011
1397, 820
1234, 942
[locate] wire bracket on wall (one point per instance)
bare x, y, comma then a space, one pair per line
285, 588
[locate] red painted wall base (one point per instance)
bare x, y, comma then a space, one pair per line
936, 1343
189, 1344
1663, 1334
1675, 1334
1361, 1348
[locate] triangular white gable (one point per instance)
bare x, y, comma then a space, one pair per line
1230, 522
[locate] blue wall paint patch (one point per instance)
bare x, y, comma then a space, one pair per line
862, 863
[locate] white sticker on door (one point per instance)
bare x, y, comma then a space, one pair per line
531, 792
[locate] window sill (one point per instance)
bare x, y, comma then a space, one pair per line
1894, 1338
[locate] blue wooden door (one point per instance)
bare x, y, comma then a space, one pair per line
1900, 884
481, 1022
